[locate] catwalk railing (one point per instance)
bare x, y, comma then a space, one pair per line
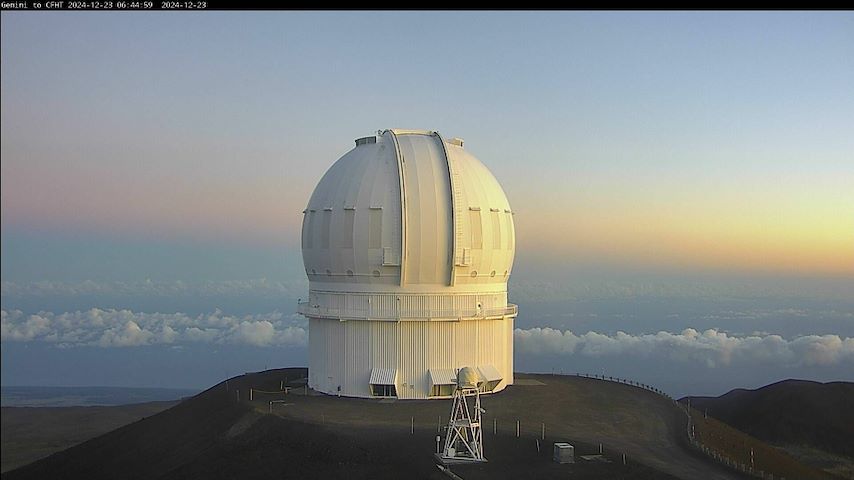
398, 314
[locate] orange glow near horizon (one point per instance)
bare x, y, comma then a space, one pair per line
810, 233
787, 230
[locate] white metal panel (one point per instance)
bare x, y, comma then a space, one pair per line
442, 345
467, 344
412, 364
384, 344
508, 352
335, 363
443, 376
365, 177
417, 352
315, 350
383, 376
490, 373
429, 227
357, 358
483, 192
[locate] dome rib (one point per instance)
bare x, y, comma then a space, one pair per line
455, 208
402, 184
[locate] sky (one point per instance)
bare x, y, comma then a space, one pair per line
683, 183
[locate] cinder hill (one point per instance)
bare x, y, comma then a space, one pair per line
221, 433
812, 421
790, 412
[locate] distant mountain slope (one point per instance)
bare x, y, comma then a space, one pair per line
147, 448
791, 412
17, 396
31, 433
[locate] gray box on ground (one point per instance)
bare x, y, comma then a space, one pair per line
564, 453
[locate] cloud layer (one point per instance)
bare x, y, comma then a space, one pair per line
124, 328
533, 290
711, 347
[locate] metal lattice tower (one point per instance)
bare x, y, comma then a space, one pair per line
464, 440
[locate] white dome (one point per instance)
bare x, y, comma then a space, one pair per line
408, 243
468, 377
452, 228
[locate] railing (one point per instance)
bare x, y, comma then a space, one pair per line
719, 457
320, 311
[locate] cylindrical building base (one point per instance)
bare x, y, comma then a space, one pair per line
414, 359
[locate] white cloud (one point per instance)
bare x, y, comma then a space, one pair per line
255, 333
824, 350
127, 335
124, 328
26, 329
196, 334
711, 347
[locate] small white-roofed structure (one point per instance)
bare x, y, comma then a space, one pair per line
442, 381
408, 243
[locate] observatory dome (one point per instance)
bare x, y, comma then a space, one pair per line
408, 210
407, 227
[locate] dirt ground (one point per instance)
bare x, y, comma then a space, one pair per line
213, 435
646, 427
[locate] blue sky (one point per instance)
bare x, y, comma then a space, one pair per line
690, 164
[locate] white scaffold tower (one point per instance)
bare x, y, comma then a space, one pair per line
464, 440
